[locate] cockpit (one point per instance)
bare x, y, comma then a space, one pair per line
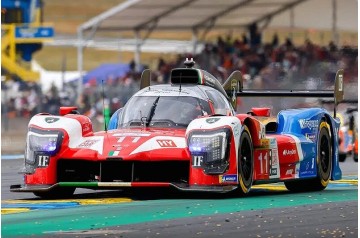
162, 111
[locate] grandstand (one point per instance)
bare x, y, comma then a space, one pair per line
22, 34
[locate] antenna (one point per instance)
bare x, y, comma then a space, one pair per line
103, 98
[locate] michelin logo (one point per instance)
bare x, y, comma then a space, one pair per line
228, 178
308, 123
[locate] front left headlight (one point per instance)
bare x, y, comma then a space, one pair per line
212, 147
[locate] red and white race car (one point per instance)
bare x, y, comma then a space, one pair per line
185, 135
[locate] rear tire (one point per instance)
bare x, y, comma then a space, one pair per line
245, 162
323, 161
58, 192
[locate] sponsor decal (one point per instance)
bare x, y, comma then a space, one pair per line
274, 157
264, 143
114, 153
212, 120
236, 130
340, 82
198, 160
43, 160
262, 132
304, 123
86, 128
273, 171
273, 143
311, 136
166, 143
51, 119
308, 172
289, 172
233, 89
228, 178
289, 152
87, 143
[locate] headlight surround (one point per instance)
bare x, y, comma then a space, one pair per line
213, 146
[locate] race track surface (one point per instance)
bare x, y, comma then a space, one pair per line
268, 211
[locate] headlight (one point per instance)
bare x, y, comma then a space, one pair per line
212, 148
213, 145
41, 144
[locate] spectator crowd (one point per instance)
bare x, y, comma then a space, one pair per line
270, 65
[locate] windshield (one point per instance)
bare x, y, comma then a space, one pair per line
156, 111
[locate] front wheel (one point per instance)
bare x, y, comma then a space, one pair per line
245, 162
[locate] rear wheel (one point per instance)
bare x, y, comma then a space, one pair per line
245, 162
323, 161
58, 192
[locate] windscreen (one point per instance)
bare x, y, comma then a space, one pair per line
163, 111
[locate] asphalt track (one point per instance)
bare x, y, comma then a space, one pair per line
269, 211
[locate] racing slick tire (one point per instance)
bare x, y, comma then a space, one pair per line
56, 193
245, 162
323, 161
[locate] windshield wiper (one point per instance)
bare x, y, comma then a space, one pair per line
152, 111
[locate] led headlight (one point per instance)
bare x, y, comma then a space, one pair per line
212, 147
41, 142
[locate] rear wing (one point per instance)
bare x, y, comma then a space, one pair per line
337, 94
145, 79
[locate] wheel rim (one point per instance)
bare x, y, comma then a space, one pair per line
245, 159
325, 155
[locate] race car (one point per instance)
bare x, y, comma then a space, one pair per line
185, 135
348, 142
348, 136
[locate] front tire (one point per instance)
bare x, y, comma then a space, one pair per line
245, 162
